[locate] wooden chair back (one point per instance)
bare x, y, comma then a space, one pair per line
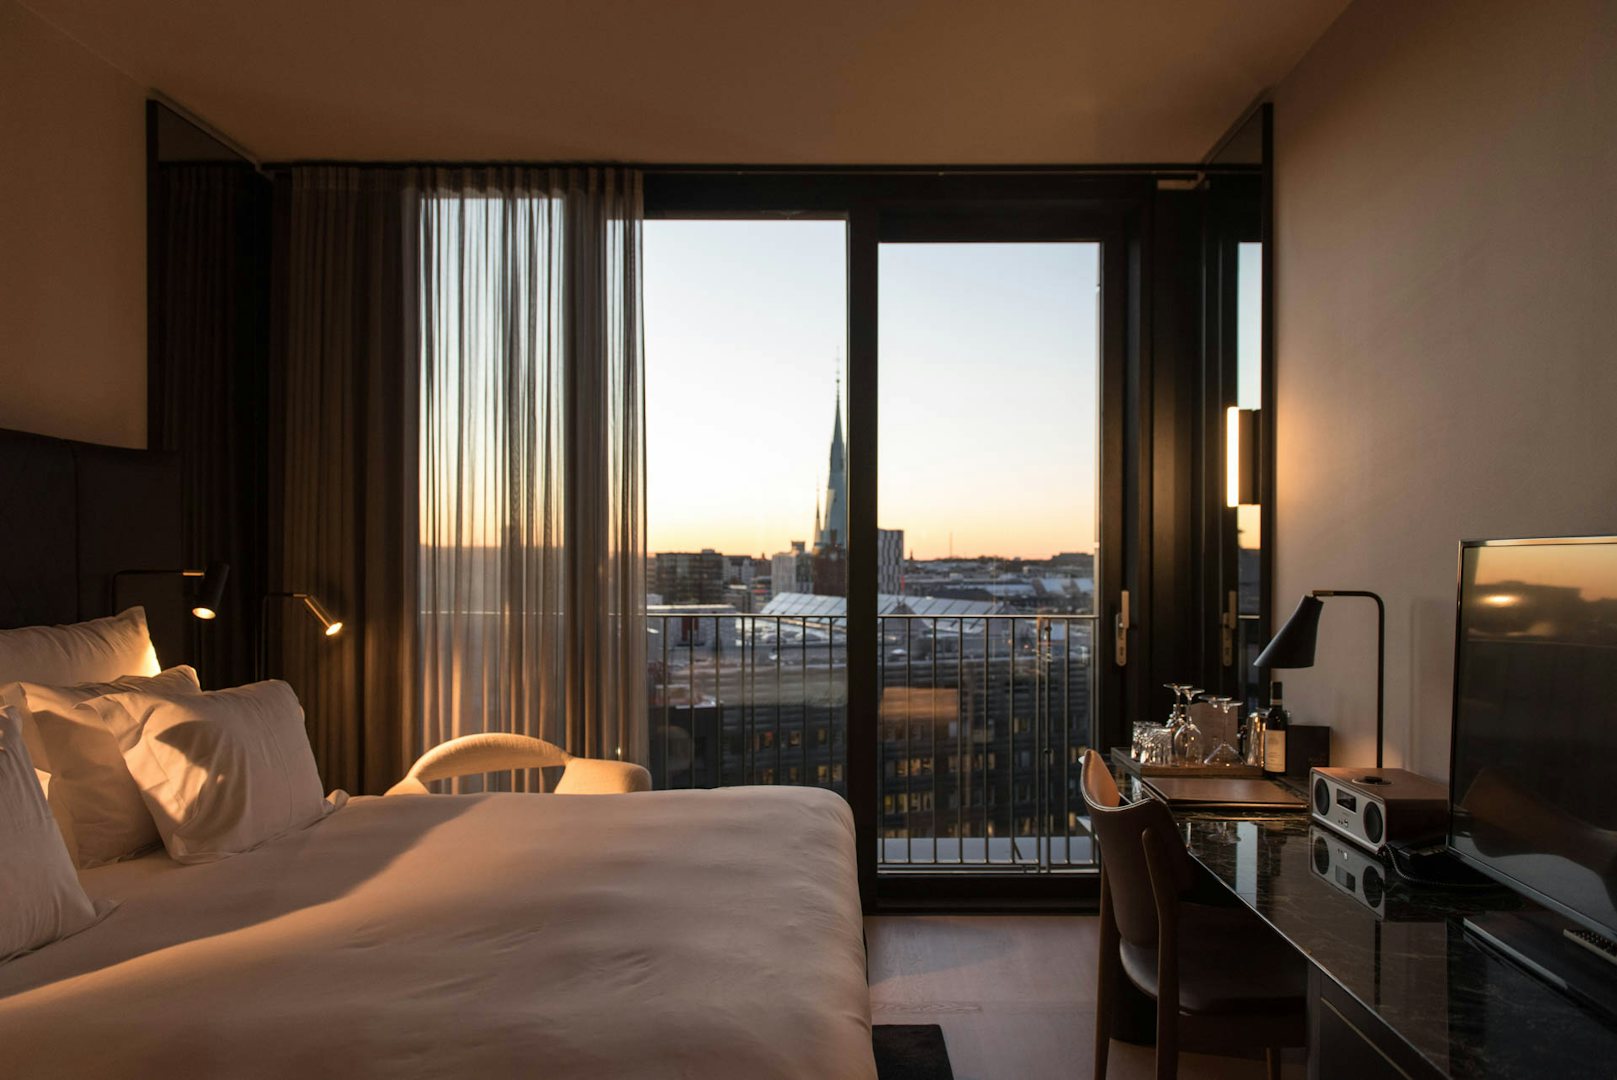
1120, 830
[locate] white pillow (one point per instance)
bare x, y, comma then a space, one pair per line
43, 900
221, 772
96, 801
88, 652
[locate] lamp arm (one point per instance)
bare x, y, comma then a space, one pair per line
1381, 660
118, 575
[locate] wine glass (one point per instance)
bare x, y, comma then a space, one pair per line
1187, 737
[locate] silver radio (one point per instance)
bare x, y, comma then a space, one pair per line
1377, 807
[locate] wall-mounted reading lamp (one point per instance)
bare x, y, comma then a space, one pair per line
208, 599
1293, 647
1241, 486
329, 626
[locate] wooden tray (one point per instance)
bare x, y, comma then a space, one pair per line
1224, 791
1122, 760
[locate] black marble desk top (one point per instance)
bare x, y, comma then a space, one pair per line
1467, 1011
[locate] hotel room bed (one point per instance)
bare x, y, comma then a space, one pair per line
710, 934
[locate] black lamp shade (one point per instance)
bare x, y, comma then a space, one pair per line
212, 593
1293, 647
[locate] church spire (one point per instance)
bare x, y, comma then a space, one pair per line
831, 530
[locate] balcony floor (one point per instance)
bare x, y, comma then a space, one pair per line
1015, 996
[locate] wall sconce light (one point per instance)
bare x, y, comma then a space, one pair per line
205, 605
329, 626
1241, 457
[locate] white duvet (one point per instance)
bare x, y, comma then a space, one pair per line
706, 934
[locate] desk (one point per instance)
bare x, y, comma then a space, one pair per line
1408, 994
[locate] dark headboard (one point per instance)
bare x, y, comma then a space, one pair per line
74, 514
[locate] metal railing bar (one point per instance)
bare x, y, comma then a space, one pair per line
667, 717
718, 708
780, 714
690, 710
961, 719
982, 753
1066, 741
932, 722
909, 754
881, 736
1010, 747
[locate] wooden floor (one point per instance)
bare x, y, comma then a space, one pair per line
1015, 996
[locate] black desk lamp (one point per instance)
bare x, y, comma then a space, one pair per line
208, 598
329, 626
1293, 646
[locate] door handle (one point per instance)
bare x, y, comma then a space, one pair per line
1120, 632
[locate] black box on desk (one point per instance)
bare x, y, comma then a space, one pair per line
1308, 746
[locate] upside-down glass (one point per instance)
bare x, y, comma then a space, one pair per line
1187, 742
1223, 753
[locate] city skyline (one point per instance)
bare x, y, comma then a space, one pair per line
988, 418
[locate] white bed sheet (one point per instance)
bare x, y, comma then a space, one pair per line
709, 934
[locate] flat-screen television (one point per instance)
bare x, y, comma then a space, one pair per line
1533, 769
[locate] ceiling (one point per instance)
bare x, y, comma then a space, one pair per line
717, 81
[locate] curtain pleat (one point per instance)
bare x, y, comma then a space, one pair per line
348, 444
532, 456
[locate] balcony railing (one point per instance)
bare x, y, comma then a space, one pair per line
983, 720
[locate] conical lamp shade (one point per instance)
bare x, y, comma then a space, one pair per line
1293, 647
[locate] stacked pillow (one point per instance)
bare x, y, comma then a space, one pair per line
220, 772
88, 652
94, 797
43, 898
102, 756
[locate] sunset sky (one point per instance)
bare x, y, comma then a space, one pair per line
988, 377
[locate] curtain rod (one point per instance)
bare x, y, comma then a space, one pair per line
676, 169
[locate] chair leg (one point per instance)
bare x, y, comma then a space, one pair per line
1168, 1038
1167, 903
1106, 968
1271, 1059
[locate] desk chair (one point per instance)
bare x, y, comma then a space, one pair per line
1223, 981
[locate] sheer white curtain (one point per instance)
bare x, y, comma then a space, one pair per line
532, 577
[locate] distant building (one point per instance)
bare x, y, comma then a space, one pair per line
685, 577
890, 561
791, 571
830, 571
739, 569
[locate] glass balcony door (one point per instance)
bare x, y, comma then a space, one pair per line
996, 344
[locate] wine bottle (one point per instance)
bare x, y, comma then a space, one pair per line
1275, 723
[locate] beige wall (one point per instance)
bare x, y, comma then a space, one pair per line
1446, 200
72, 238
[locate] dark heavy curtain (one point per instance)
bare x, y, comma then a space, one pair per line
348, 444
209, 381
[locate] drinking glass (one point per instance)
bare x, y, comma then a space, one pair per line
1187, 743
1142, 728
1223, 753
